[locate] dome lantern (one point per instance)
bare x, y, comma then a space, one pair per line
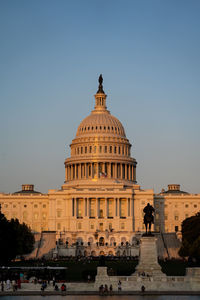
100, 97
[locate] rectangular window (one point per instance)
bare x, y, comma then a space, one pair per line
122, 226
105, 149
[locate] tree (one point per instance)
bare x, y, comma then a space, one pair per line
191, 237
15, 239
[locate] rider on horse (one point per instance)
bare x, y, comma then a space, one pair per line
148, 217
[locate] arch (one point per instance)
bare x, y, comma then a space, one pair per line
118, 253
124, 253
101, 253
101, 241
93, 253
123, 240
134, 241
79, 253
69, 240
110, 253
85, 253
91, 240
112, 241
79, 240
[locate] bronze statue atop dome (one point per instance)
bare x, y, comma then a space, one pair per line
100, 89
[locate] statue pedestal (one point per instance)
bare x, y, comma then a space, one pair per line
148, 260
103, 278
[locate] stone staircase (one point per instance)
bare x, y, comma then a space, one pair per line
47, 244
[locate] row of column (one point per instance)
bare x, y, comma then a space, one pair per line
92, 208
100, 170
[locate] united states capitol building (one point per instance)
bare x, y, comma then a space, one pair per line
99, 208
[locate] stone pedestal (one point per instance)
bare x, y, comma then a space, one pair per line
103, 278
148, 260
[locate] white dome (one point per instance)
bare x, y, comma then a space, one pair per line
102, 123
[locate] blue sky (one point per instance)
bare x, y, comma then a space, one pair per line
51, 54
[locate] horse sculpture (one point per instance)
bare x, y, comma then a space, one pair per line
148, 217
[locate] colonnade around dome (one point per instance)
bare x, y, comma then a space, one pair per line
109, 170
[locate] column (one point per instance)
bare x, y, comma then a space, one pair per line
103, 168
97, 207
119, 207
106, 208
75, 207
109, 170
121, 173
75, 171
86, 207
72, 207
128, 207
125, 171
71, 171
115, 170
134, 172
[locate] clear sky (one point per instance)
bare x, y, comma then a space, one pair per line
51, 54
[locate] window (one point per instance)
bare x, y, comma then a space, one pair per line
81, 150
79, 226
79, 213
105, 149
122, 226
176, 218
119, 150
90, 149
44, 205
25, 205
186, 205
186, 215
44, 216
100, 149
91, 226
195, 205
35, 206
35, 216
115, 149
25, 215
176, 228
110, 149
14, 206
58, 226
166, 217
85, 149
59, 213
110, 226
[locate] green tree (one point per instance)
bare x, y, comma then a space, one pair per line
191, 237
15, 239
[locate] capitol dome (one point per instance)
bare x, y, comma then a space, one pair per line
100, 123
100, 148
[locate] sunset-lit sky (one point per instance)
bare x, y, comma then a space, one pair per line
51, 54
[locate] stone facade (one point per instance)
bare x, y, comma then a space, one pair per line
100, 200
